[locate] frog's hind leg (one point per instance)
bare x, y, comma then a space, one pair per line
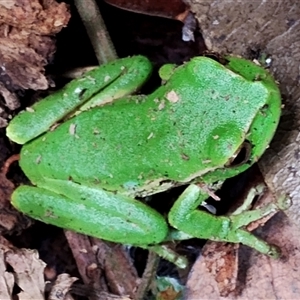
92, 211
185, 217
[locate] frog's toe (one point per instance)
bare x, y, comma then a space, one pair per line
284, 202
274, 252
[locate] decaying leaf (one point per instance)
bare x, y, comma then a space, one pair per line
25, 41
168, 288
219, 263
101, 262
26, 45
62, 287
174, 9
28, 273
11, 100
42, 17
6, 279
10, 219
8, 216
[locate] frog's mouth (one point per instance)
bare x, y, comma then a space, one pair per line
241, 156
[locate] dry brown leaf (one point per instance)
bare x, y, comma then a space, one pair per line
276, 278
221, 261
22, 65
28, 272
92, 293
10, 219
5, 245
168, 294
6, 279
119, 270
101, 262
84, 255
62, 287
26, 46
42, 17
8, 3
168, 9
11, 100
8, 216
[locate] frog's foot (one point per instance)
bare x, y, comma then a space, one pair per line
283, 202
185, 217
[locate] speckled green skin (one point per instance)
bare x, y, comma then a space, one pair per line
90, 168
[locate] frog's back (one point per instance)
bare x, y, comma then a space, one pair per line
185, 128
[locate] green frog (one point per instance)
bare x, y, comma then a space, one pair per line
92, 148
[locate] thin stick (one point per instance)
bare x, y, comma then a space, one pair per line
148, 276
96, 29
8, 162
105, 52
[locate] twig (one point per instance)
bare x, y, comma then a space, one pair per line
8, 162
105, 52
148, 276
96, 29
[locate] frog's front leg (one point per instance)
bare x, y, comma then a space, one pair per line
92, 211
185, 216
99, 86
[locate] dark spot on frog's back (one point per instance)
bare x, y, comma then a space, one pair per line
81, 94
184, 156
97, 181
96, 131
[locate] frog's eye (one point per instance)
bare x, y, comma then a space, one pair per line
241, 156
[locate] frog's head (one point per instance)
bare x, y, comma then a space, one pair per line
249, 149
264, 110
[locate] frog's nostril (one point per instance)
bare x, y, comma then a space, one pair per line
241, 156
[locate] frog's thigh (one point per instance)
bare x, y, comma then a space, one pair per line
93, 212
